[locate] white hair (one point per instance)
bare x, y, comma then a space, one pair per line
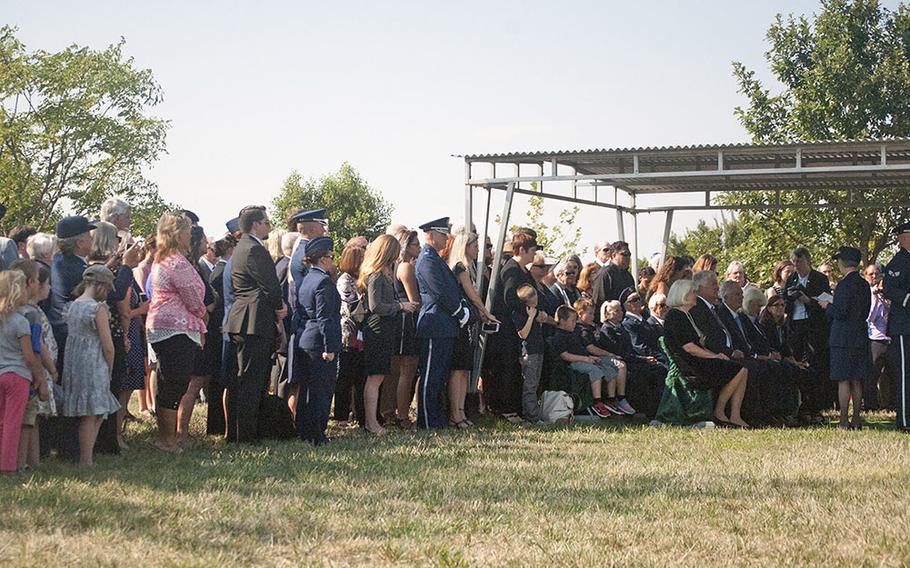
700, 279
114, 207
41, 246
679, 290
287, 242
609, 306
728, 286
752, 294
656, 297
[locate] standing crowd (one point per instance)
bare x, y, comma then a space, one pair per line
278, 335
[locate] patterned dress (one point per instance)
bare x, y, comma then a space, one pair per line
86, 379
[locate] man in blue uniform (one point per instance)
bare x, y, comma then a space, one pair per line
442, 311
319, 308
897, 290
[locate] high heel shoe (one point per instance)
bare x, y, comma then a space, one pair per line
461, 424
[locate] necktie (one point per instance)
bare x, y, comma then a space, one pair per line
722, 326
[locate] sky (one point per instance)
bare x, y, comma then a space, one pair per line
255, 90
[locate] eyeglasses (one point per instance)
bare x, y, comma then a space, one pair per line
605, 249
569, 273
634, 300
538, 266
626, 253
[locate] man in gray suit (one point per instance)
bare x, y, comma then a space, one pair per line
252, 323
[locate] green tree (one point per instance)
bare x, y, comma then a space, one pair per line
845, 75
74, 130
353, 207
558, 240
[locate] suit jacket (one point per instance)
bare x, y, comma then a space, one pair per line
610, 282
756, 336
297, 270
216, 280
897, 289
440, 296
849, 311
731, 324
282, 271
644, 336
656, 324
512, 276
204, 269
567, 296
817, 284
319, 313
257, 293
714, 331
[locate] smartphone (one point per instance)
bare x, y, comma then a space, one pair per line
143, 297
490, 327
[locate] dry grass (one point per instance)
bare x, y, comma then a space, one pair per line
583, 495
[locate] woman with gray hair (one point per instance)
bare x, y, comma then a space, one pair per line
566, 273
40, 247
703, 369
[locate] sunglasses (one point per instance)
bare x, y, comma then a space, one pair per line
660, 306
570, 273
626, 253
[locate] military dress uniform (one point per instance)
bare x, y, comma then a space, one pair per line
297, 271
442, 312
897, 290
319, 331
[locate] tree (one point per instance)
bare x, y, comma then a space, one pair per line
353, 207
552, 240
74, 130
845, 75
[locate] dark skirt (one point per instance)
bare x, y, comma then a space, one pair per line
379, 344
850, 363
406, 334
463, 351
707, 374
208, 360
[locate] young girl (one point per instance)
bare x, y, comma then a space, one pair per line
37, 281
90, 359
18, 364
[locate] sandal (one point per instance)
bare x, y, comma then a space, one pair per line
461, 424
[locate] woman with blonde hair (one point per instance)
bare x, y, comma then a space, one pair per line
174, 323
463, 262
382, 307
405, 283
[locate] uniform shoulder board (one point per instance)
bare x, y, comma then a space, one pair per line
894, 273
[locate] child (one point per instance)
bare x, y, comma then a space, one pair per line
89, 359
616, 390
572, 350
28, 438
528, 326
18, 365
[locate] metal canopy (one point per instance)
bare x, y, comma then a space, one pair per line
849, 167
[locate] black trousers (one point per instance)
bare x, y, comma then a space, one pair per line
352, 378
315, 398
811, 345
254, 362
899, 355
502, 371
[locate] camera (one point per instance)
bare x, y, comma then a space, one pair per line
490, 327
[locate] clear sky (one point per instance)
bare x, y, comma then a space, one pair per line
255, 90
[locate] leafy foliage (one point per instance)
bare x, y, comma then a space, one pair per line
845, 75
74, 130
353, 207
559, 240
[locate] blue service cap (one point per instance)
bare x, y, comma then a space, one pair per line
316, 215
317, 245
72, 226
440, 225
233, 225
2, 210
899, 230
192, 216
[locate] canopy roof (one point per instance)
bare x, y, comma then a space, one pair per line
844, 165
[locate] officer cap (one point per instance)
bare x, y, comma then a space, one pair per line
317, 245
847, 253
72, 226
233, 225
440, 225
899, 230
192, 216
313, 215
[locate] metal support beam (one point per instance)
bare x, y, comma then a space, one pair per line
633, 266
884, 151
481, 241
468, 196
665, 243
494, 275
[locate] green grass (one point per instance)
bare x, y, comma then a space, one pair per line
501, 495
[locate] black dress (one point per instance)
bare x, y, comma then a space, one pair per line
463, 349
702, 374
379, 327
405, 325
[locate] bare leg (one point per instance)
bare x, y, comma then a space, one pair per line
725, 394
458, 387
736, 401
152, 390
621, 381
124, 398
25, 439
843, 399
167, 430
34, 449
370, 400
407, 366
857, 388
185, 410
292, 399
88, 433
611, 389
596, 388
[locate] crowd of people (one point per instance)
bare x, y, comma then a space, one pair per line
278, 335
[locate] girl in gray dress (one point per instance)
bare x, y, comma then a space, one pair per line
90, 358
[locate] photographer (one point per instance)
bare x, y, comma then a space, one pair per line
809, 328
878, 391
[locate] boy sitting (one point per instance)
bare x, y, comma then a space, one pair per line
568, 344
616, 390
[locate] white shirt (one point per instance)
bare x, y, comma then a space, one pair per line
799, 310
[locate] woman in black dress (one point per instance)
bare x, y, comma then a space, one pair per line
463, 262
702, 368
406, 290
382, 308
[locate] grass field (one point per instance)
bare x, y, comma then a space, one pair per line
589, 495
